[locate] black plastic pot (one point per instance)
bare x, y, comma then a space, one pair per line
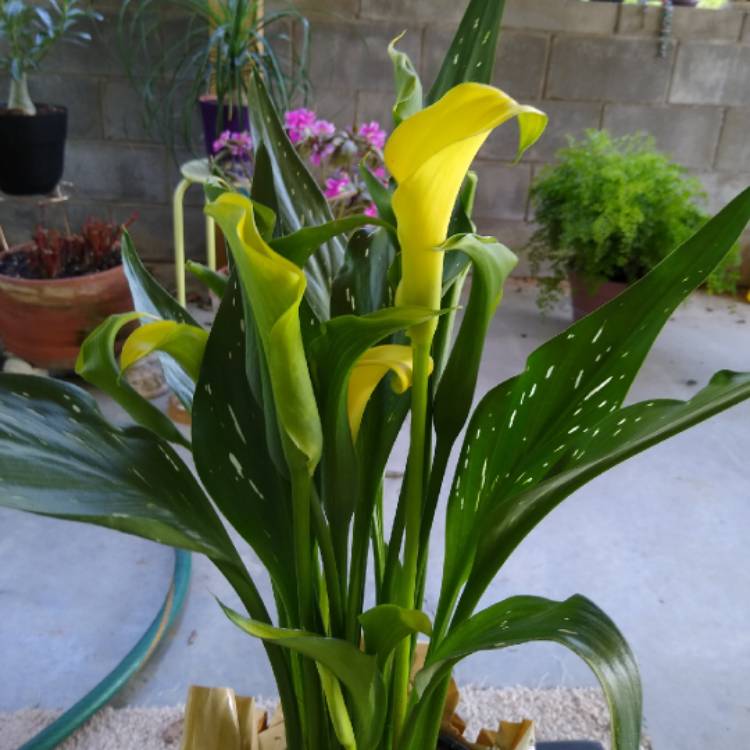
32, 150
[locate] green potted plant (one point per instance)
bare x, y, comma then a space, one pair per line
321, 347
32, 136
212, 47
608, 211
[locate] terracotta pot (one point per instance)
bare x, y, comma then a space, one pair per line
44, 321
587, 299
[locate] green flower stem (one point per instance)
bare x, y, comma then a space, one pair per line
312, 704
414, 502
279, 659
330, 568
18, 96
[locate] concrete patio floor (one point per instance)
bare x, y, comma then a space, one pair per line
660, 544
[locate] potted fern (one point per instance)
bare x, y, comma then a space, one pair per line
608, 211
32, 136
216, 45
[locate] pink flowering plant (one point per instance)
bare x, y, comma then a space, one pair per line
337, 158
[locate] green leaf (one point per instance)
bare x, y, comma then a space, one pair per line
386, 625
262, 190
59, 457
333, 354
150, 297
492, 264
408, 86
96, 363
361, 286
231, 453
299, 245
214, 280
356, 671
380, 194
471, 56
299, 199
535, 438
575, 623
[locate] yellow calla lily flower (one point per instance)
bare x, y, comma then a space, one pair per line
369, 370
429, 154
185, 343
274, 287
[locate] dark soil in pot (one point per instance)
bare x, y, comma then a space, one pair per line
32, 150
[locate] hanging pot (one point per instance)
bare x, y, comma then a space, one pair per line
32, 150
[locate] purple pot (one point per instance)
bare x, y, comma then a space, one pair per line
238, 122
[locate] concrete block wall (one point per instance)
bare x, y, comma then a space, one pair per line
587, 64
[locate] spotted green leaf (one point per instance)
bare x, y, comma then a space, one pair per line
575, 623
535, 438
59, 457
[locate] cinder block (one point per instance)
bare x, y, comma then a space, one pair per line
746, 29
414, 11
152, 231
688, 134
325, 8
96, 58
612, 69
687, 23
110, 171
724, 24
734, 146
79, 94
375, 105
560, 15
721, 187
513, 233
639, 20
708, 73
350, 57
565, 119
123, 113
338, 106
503, 190
519, 64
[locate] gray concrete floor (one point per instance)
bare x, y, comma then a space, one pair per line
660, 544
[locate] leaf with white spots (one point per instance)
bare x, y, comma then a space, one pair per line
471, 56
230, 447
515, 465
299, 200
576, 624
59, 457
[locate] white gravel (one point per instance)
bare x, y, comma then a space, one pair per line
558, 714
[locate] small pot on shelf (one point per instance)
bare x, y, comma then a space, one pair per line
32, 149
587, 297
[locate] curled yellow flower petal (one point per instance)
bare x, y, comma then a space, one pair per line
184, 343
273, 287
429, 154
369, 370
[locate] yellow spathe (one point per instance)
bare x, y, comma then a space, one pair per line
369, 370
429, 154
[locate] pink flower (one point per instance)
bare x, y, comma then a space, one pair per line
370, 210
372, 133
221, 141
323, 127
320, 152
379, 172
299, 123
337, 185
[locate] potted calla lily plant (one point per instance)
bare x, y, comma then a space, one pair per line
323, 344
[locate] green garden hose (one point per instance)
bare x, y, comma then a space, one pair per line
51, 736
